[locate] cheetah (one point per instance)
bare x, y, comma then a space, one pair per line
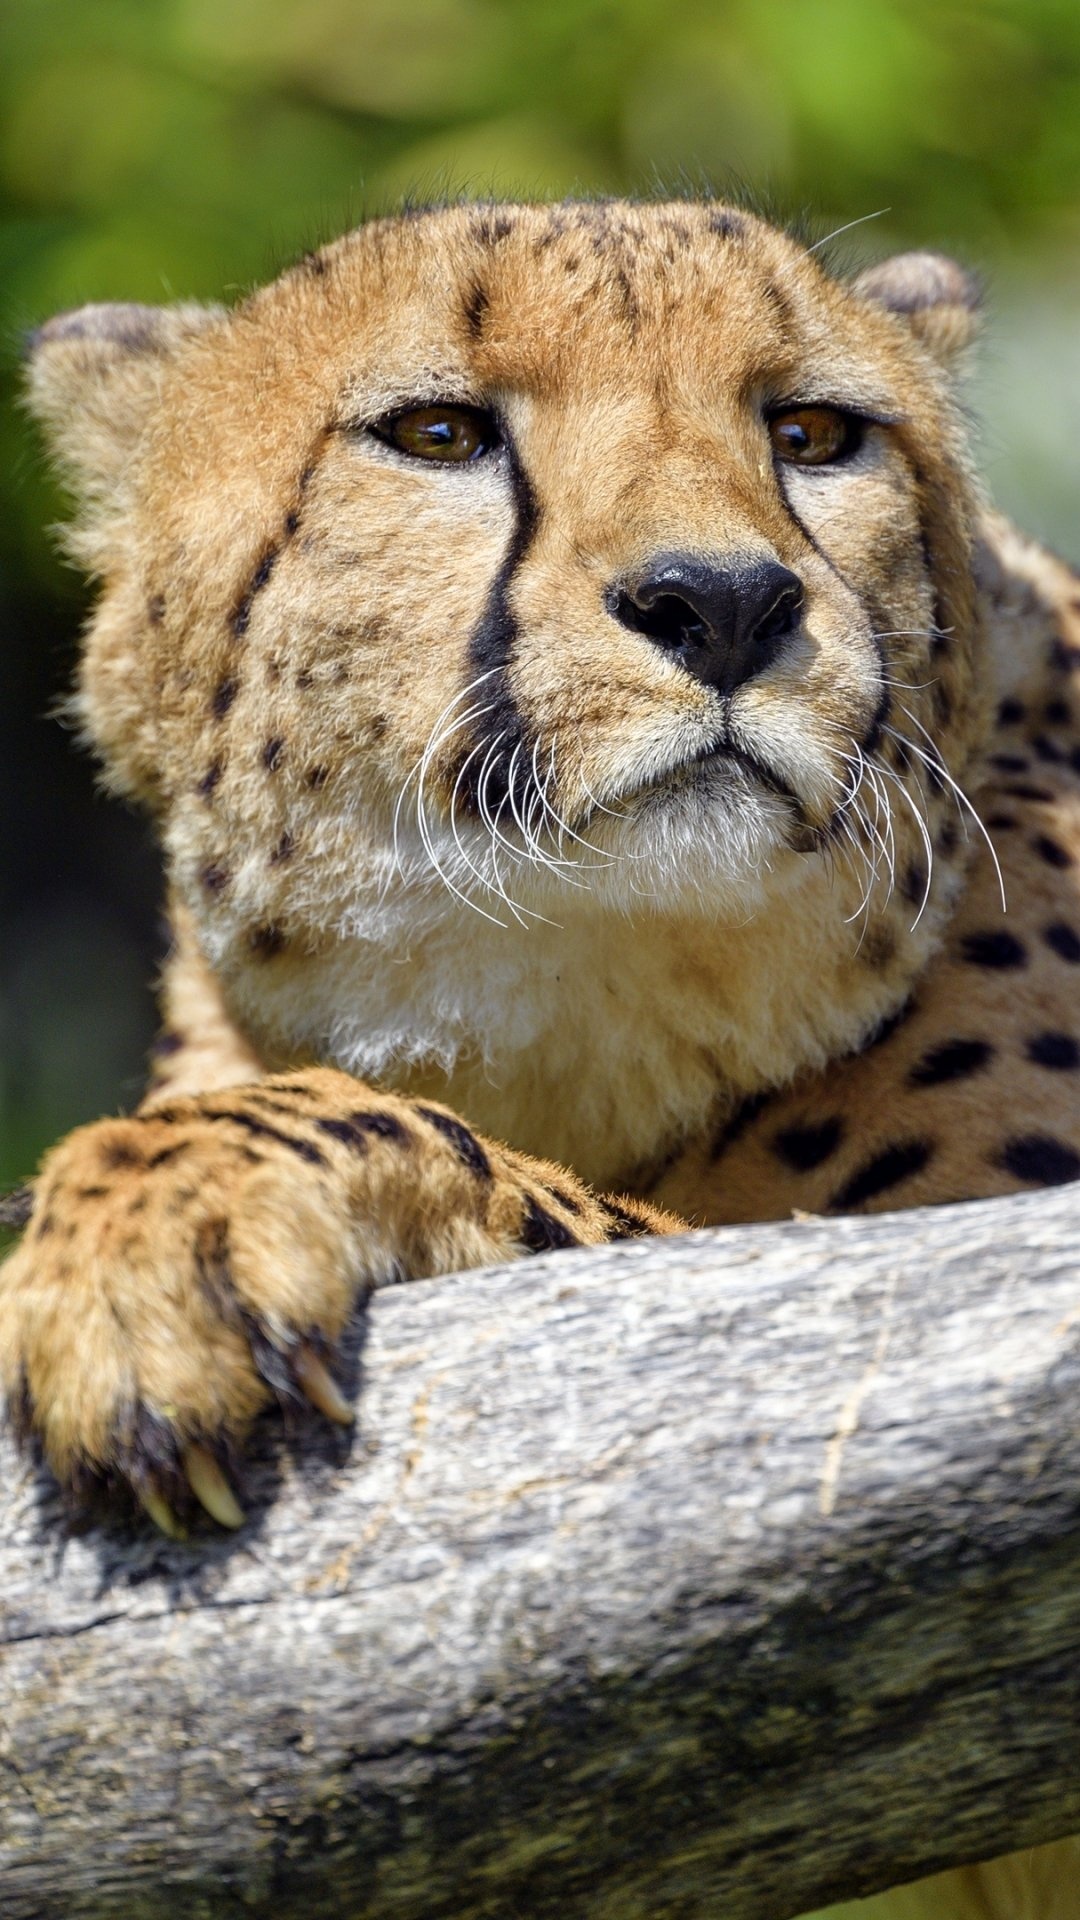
614, 771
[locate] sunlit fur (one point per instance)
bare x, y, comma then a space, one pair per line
432, 814
460, 838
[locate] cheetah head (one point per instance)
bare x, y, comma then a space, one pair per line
523, 562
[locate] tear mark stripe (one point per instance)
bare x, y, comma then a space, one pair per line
491, 649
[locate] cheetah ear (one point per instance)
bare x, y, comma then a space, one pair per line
93, 376
936, 298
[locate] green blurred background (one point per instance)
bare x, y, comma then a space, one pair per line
158, 149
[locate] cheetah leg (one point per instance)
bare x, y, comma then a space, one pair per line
182, 1268
199, 1049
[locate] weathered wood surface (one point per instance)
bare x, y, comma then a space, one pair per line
710, 1577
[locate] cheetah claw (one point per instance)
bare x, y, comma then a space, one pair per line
211, 1487
320, 1387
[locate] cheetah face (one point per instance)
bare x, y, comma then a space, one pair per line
513, 554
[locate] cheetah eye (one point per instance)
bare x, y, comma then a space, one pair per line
439, 433
815, 436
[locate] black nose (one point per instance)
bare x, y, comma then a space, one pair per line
724, 624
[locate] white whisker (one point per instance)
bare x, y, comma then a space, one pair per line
846, 228
961, 797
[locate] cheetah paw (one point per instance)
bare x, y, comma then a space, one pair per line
181, 1269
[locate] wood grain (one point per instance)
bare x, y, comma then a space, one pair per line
722, 1575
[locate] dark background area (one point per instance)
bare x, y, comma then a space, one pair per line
160, 149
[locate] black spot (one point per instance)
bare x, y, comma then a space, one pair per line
1056, 1050
314, 264
949, 836
317, 777
952, 1060
730, 226
284, 850
210, 781
624, 1224
155, 609
886, 1028
465, 1144
164, 1154
305, 679
167, 1044
1000, 820
994, 949
1057, 713
1009, 762
564, 1199
215, 878
1040, 1160
737, 1123
347, 1132
224, 696
292, 521
240, 619
1010, 713
627, 298
267, 941
541, 1232
1063, 658
886, 1169
273, 753
304, 1149
476, 310
1022, 790
1074, 759
913, 884
803, 1148
1048, 749
1051, 851
120, 1153
382, 1125
1063, 941
489, 229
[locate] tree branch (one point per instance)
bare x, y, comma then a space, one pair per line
720, 1575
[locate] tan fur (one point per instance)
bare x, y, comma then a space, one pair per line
433, 815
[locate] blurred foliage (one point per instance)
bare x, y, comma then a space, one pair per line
152, 149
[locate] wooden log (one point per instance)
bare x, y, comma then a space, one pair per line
723, 1575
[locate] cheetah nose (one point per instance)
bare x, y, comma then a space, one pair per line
723, 624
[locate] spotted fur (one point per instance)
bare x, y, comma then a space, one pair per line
439, 817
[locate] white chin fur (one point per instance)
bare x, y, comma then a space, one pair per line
424, 971
701, 845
